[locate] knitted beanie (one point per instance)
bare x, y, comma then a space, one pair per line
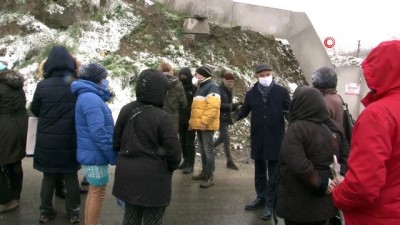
229, 76
92, 72
204, 71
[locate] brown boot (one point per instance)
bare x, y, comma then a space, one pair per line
209, 182
200, 176
231, 165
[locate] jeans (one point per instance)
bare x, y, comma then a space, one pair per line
11, 186
225, 138
266, 180
205, 139
187, 138
72, 199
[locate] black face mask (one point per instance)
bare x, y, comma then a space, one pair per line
185, 80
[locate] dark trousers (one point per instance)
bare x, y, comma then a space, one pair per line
134, 215
60, 186
289, 222
11, 182
205, 139
187, 138
72, 199
225, 138
266, 180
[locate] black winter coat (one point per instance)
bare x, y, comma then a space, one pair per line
143, 173
13, 117
54, 104
226, 105
267, 121
184, 113
310, 142
148, 146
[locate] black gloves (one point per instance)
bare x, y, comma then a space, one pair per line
235, 106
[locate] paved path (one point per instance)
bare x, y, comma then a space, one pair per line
223, 204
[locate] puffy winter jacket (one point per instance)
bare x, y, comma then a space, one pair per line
370, 193
13, 117
206, 106
94, 124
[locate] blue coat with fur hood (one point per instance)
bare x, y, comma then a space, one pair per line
94, 124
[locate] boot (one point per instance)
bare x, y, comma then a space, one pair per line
266, 214
231, 165
183, 165
200, 176
208, 182
9, 205
188, 169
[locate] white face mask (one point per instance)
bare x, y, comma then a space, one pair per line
265, 81
195, 80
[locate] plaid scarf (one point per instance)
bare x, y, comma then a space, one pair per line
265, 91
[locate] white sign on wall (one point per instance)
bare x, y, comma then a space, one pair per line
352, 89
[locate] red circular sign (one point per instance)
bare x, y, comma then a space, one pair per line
329, 42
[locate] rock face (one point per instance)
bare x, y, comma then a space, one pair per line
59, 15
158, 28
153, 33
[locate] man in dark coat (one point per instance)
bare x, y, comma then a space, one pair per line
268, 103
186, 136
55, 150
227, 108
149, 152
13, 129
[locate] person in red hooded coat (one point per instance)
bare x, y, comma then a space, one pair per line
370, 193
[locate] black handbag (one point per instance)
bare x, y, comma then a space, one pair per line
348, 121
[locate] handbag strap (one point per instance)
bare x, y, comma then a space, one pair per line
135, 112
345, 106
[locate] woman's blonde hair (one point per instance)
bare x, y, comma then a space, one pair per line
165, 67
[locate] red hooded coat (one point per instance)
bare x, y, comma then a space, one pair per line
370, 193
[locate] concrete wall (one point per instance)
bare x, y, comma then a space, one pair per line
346, 77
296, 27
293, 26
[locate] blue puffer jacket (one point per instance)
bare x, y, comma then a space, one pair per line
94, 124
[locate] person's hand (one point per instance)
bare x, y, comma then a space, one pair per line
334, 183
234, 117
338, 179
329, 189
202, 127
235, 106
